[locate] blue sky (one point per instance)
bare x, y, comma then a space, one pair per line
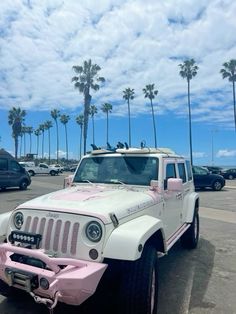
135, 43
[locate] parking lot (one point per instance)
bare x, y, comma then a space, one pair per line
199, 281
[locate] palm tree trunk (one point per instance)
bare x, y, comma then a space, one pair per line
37, 146
30, 143
20, 145
87, 99
66, 143
24, 144
154, 125
93, 130
129, 124
16, 146
43, 145
49, 147
57, 141
107, 127
190, 124
234, 105
80, 144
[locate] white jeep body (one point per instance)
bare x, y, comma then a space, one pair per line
114, 205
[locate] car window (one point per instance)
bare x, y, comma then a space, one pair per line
199, 170
182, 172
170, 171
14, 166
3, 164
189, 171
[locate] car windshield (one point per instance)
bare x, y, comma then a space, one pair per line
120, 169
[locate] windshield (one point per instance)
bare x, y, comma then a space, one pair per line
120, 169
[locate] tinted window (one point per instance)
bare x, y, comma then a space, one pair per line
189, 171
14, 166
3, 164
170, 171
200, 170
182, 173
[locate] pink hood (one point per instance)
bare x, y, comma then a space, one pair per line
98, 201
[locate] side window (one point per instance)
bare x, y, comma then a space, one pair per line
14, 166
3, 164
189, 171
182, 173
170, 173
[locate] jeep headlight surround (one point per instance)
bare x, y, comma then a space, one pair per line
93, 231
18, 220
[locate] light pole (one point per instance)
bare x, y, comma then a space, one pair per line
212, 146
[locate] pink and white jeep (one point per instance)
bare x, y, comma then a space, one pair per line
116, 213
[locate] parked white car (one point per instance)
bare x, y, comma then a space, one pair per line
58, 167
42, 168
116, 213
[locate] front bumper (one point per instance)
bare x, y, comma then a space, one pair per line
72, 284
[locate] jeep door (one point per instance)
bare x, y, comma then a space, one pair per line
173, 200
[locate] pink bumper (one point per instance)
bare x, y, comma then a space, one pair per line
72, 284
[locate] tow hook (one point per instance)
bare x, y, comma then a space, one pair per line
50, 304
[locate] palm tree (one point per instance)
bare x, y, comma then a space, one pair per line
188, 70
30, 130
128, 94
37, 133
107, 108
80, 120
47, 126
24, 131
64, 120
87, 80
15, 118
150, 93
42, 129
229, 72
55, 114
92, 111
21, 136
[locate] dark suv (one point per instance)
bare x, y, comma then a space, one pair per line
11, 172
204, 179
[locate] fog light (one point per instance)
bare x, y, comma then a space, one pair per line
44, 284
93, 254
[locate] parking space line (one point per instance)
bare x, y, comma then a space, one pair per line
218, 214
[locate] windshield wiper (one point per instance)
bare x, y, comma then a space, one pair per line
83, 181
115, 181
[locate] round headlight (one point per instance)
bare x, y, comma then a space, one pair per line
18, 220
94, 231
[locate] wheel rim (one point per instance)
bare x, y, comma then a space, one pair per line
217, 185
153, 290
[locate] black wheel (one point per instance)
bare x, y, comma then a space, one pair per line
31, 173
139, 284
189, 239
217, 185
52, 173
231, 177
23, 185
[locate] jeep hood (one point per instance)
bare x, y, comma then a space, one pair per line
97, 201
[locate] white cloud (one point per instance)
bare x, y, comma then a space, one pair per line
199, 154
135, 43
226, 153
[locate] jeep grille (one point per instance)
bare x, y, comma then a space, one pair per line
57, 235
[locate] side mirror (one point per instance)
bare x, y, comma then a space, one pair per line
68, 181
175, 185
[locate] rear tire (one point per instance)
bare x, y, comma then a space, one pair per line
31, 173
23, 185
231, 177
139, 284
189, 239
217, 185
52, 173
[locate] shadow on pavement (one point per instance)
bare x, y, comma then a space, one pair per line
183, 280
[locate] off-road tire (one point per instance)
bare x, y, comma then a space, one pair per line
217, 185
23, 185
139, 284
189, 239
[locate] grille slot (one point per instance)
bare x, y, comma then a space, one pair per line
57, 235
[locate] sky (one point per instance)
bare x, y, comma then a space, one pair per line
135, 43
